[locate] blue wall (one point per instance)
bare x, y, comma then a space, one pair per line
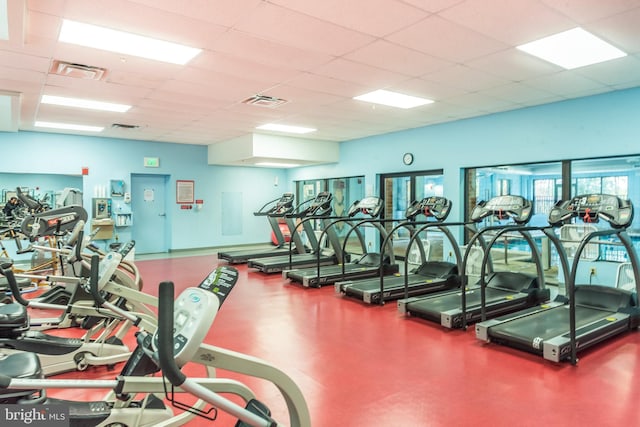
107, 159
595, 126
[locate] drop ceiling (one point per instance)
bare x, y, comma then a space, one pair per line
316, 55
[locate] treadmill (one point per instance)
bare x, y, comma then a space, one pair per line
369, 264
273, 210
589, 314
502, 291
318, 208
429, 277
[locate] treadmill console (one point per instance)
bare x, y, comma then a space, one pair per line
370, 206
283, 206
591, 207
320, 206
431, 207
504, 207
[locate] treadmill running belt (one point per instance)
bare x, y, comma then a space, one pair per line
451, 301
545, 325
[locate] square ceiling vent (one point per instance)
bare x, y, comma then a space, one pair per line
264, 101
77, 71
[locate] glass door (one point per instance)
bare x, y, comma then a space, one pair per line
398, 191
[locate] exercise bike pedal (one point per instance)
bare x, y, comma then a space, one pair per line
258, 408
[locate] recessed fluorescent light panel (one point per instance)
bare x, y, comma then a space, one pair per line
84, 103
572, 49
277, 165
69, 126
393, 99
285, 128
125, 43
4, 20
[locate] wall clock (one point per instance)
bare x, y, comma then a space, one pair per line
407, 158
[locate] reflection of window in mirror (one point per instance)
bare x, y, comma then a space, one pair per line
504, 187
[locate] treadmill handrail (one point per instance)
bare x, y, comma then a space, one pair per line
444, 227
315, 250
477, 236
342, 257
524, 231
409, 224
383, 245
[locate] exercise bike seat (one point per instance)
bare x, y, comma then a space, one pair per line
13, 318
19, 365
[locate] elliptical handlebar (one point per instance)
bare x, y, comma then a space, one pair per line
165, 335
93, 281
13, 285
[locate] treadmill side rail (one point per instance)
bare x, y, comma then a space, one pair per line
558, 348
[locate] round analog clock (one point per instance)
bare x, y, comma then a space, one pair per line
407, 158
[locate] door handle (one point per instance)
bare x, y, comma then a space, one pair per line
162, 214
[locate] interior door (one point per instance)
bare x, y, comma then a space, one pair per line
148, 205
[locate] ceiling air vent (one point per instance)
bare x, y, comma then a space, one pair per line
78, 71
264, 101
123, 126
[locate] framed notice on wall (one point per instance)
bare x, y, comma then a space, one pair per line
185, 191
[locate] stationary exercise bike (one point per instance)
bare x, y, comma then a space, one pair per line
195, 310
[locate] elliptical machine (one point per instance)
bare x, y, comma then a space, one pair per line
195, 310
101, 345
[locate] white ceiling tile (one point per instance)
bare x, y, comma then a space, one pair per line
585, 11
224, 13
269, 52
444, 39
482, 101
399, 59
326, 84
619, 30
498, 20
363, 17
302, 31
426, 89
466, 78
617, 71
301, 98
564, 83
434, 5
513, 64
359, 73
519, 93
19, 61
125, 15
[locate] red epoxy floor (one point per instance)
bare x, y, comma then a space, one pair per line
367, 366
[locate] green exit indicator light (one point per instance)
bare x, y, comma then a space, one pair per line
151, 162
